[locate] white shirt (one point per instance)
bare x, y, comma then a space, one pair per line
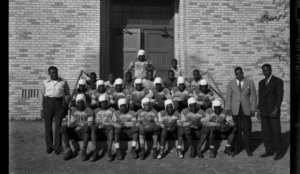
269, 78
242, 82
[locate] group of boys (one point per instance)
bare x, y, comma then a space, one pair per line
119, 109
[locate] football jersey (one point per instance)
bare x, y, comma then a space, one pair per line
167, 83
148, 83
162, 96
202, 97
140, 68
117, 95
190, 117
104, 116
81, 116
181, 96
144, 116
95, 95
137, 96
164, 117
210, 113
192, 83
120, 118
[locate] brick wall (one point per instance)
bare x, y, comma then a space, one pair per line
217, 36
42, 33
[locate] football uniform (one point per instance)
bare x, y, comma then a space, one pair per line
148, 83
159, 98
87, 95
167, 83
95, 96
180, 98
204, 99
115, 96
104, 118
137, 96
144, 117
178, 72
127, 122
140, 68
164, 118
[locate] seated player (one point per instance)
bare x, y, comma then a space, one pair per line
177, 71
170, 81
109, 84
82, 89
160, 94
194, 83
191, 119
91, 84
141, 66
100, 90
180, 94
125, 127
128, 82
103, 127
137, 94
204, 95
221, 125
117, 93
82, 118
148, 80
169, 120
148, 116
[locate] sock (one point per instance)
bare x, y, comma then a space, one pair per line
178, 147
117, 145
228, 145
133, 143
212, 147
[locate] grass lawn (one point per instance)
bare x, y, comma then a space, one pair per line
27, 155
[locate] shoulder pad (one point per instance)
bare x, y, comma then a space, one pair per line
185, 111
97, 110
201, 112
139, 111
131, 112
163, 112
117, 113
154, 111
175, 89
176, 113
209, 111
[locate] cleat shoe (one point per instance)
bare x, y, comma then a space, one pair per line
108, 153
227, 150
133, 153
192, 152
119, 155
95, 155
57, 151
199, 152
212, 153
142, 154
68, 154
179, 153
161, 154
83, 155
154, 153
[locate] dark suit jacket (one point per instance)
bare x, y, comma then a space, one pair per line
270, 96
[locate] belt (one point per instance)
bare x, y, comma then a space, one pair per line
54, 98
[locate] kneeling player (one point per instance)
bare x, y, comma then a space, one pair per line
148, 117
171, 126
125, 127
82, 118
192, 118
220, 124
103, 127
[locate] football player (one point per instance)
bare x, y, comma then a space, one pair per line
125, 127
169, 120
82, 89
220, 124
180, 94
204, 95
100, 90
160, 94
147, 115
82, 118
117, 93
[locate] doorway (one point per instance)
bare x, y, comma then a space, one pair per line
141, 24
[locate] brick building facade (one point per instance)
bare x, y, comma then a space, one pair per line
209, 35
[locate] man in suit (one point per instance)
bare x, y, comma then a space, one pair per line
268, 111
241, 102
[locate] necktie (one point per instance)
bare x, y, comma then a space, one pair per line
240, 86
266, 82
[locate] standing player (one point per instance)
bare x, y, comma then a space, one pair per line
169, 120
192, 118
177, 71
82, 118
170, 81
125, 127
141, 66
97, 92
117, 93
180, 94
160, 94
194, 83
144, 116
137, 94
103, 127
204, 95
221, 124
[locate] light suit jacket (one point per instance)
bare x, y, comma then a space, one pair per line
247, 97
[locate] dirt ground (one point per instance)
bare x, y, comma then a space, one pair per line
27, 155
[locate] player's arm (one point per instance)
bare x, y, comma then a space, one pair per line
115, 121
184, 121
131, 65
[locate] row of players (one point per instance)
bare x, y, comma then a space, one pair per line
106, 122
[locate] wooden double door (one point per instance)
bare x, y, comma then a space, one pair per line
125, 45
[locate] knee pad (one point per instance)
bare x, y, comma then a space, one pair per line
187, 130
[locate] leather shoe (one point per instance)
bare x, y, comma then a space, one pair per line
266, 154
249, 153
278, 156
49, 150
57, 151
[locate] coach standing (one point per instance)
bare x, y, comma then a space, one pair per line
55, 93
241, 100
269, 102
